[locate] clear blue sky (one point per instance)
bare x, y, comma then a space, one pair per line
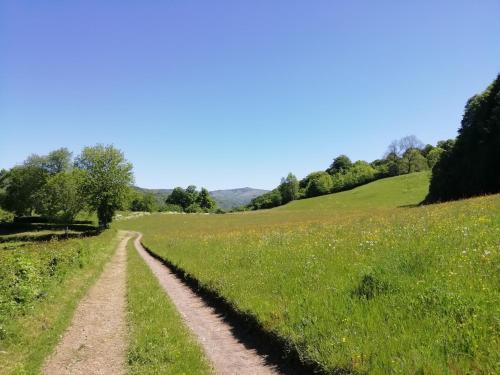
238, 93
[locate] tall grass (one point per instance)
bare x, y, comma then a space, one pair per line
351, 282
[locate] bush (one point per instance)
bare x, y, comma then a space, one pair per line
26, 274
359, 174
268, 200
142, 202
6, 217
170, 208
193, 209
320, 183
369, 287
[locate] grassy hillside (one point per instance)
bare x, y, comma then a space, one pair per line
355, 281
400, 191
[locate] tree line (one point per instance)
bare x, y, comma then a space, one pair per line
60, 187
403, 156
190, 200
463, 167
472, 166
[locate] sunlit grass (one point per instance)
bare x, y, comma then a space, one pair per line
159, 342
353, 283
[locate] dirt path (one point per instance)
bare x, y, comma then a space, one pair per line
95, 342
228, 355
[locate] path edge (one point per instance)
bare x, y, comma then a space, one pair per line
268, 342
120, 236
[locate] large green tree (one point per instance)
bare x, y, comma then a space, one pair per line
143, 202
360, 173
340, 164
319, 183
62, 197
191, 195
289, 188
412, 161
190, 200
433, 156
472, 165
268, 200
106, 182
58, 161
181, 197
21, 185
205, 201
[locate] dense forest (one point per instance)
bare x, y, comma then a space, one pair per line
472, 166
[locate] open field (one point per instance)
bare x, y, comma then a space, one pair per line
356, 281
159, 343
41, 284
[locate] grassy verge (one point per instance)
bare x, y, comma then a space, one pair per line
362, 287
40, 287
159, 341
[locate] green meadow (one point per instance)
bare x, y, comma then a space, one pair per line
360, 281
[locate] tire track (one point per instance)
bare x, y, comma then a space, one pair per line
96, 340
228, 354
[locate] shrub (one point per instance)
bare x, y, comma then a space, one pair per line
167, 207
6, 217
369, 287
320, 183
193, 209
360, 173
268, 200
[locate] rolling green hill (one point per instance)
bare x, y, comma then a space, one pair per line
400, 191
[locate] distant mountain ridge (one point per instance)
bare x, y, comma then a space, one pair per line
226, 198
231, 198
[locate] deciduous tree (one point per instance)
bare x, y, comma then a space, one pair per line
320, 183
62, 196
412, 161
471, 166
205, 201
289, 188
22, 184
107, 178
340, 164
